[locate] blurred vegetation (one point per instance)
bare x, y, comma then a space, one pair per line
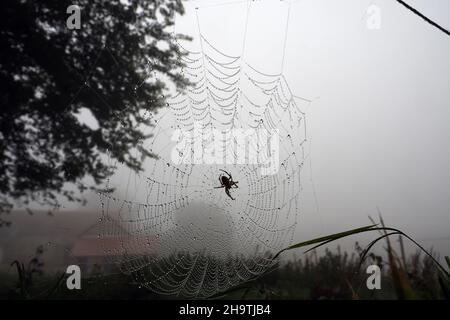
338, 275
332, 275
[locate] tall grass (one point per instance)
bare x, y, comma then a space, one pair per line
426, 273
332, 275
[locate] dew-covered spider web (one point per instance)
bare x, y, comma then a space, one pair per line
171, 227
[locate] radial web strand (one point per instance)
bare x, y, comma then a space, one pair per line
176, 232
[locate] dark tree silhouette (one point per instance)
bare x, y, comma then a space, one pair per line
48, 73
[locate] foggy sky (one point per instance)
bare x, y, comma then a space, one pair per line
378, 125
379, 130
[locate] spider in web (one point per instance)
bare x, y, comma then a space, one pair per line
227, 183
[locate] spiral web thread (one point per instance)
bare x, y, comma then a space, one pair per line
169, 227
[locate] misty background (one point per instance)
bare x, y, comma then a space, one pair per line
377, 128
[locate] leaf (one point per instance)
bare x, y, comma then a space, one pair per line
367, 249
326, 239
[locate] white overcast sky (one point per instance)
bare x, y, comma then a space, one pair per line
378, 127
379, 131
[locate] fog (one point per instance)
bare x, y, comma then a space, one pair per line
378, 131
377, 127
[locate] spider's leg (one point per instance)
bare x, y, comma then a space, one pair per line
229, 175
227, 191
218, 187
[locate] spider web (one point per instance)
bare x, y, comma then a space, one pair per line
171, 228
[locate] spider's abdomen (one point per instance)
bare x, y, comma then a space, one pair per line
225, 181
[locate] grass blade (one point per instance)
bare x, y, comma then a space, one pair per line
326, 239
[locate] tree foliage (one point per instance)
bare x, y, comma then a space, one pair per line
49, 74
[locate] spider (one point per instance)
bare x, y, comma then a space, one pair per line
227, 183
